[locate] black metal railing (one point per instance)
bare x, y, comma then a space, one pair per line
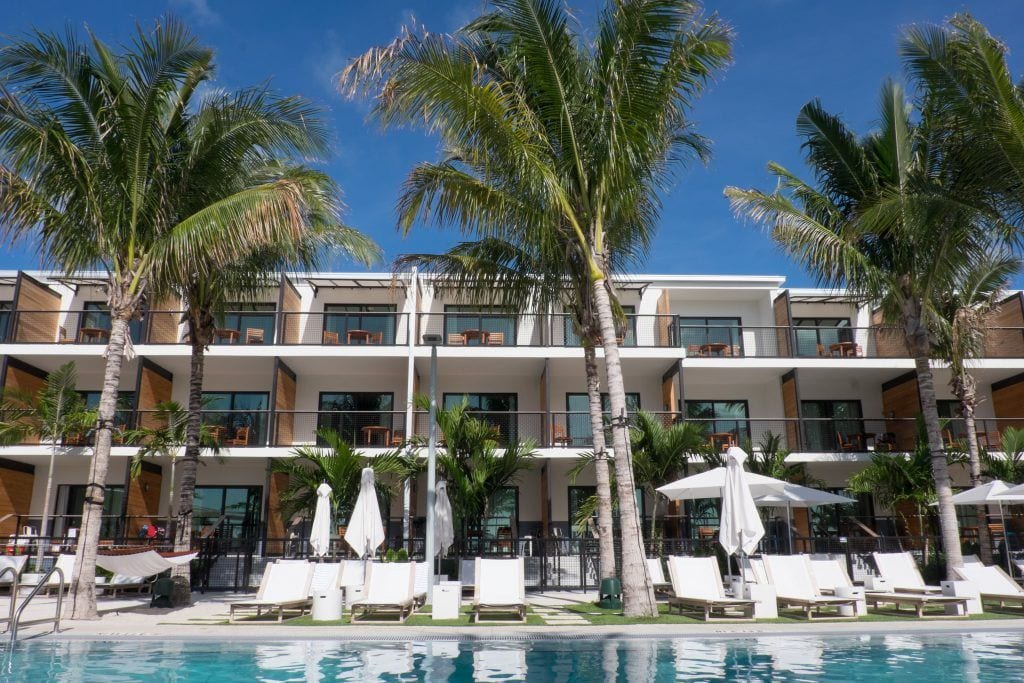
361, 428
507, 426
345, 328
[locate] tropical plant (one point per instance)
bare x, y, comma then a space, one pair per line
55, 413
769, 460
165, 440
338, 464
554, 138
474, 464
1007, 466
95, 146
892, 218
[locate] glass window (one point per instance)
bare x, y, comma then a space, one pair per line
466, 323
817, 336
71, 502
238, 505
725, 422
498, 410
706, 336
125, 402
251, 321
6, 307
379, 320
578, 416
237, 418
628, 337
96, 316
833, 426
953, 426
361, 418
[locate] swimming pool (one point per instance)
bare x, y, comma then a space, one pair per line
976, 657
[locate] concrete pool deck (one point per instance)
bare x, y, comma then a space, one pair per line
131, 617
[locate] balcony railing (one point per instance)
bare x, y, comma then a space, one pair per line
360, 428
345, 328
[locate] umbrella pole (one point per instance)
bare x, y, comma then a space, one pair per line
1006, 541
789, 524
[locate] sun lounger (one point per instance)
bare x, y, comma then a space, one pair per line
901, 571
753, 570
795, 587
500, 588
658, 575
15, 562
389, 590
284, 587
697, 587
419, 592
993, 583
916, 600
829, 574
467, 576
66, 563
122, 583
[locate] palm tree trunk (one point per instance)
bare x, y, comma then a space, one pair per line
965, 389
948, 528
605, 528
46, 505
82, 598
181, 575
637, 589
170, 493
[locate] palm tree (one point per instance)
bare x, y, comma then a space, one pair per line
551, 137
962, 334
52, 415
341, 466
95, 146
769, 459
891, 219
1009, 466
165, 441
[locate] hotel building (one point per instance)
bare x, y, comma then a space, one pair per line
743, 356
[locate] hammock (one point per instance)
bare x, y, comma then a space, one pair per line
141, 563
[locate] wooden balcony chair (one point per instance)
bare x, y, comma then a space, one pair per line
848, 443
456, 340
706, 533
254, 335
397, 438
559, 437
496, 339
331, 338
241, 438
821, 350
736, 351
693, 350
859, 351
63, 336
216, 433
948, 440
376, 338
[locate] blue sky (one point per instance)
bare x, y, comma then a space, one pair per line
787, 52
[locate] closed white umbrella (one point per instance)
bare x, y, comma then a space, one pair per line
444, 524
365, 530
741, 527
320, 534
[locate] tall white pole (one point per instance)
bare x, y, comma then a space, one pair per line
410, 384
431, 473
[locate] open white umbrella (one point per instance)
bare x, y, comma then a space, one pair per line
320, 534
365, 530
444, 524
997, 492
711, 484
797, 496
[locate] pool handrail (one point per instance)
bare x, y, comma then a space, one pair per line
35, 591
9, 619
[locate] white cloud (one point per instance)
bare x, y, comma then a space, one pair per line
199, 10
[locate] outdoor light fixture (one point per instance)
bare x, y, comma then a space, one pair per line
431, 339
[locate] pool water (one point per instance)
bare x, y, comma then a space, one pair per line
973, 657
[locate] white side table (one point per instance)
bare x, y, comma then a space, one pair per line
327, 604
876, 584
767, 606
962, 589
857, 593
352, 593
447, 600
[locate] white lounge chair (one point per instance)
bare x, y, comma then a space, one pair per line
993, 583
829, 574
697, 587
500, 588
66, 563
390, 589
654, 568
795, 587
122, 582
284, 587
753, 570
900, 570
15, 562
467, 576
419, 592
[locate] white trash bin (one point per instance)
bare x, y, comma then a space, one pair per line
447, 600
327, 604
856, 592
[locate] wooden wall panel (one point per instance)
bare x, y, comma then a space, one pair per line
284, 405
289, 305
143, 501
155, 386
276, 523
1008, 402
36, 309
666, 323
900, 399
164, 321
783, 321
21, 377
791, 409
1001, 342
16, 481
888, 342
